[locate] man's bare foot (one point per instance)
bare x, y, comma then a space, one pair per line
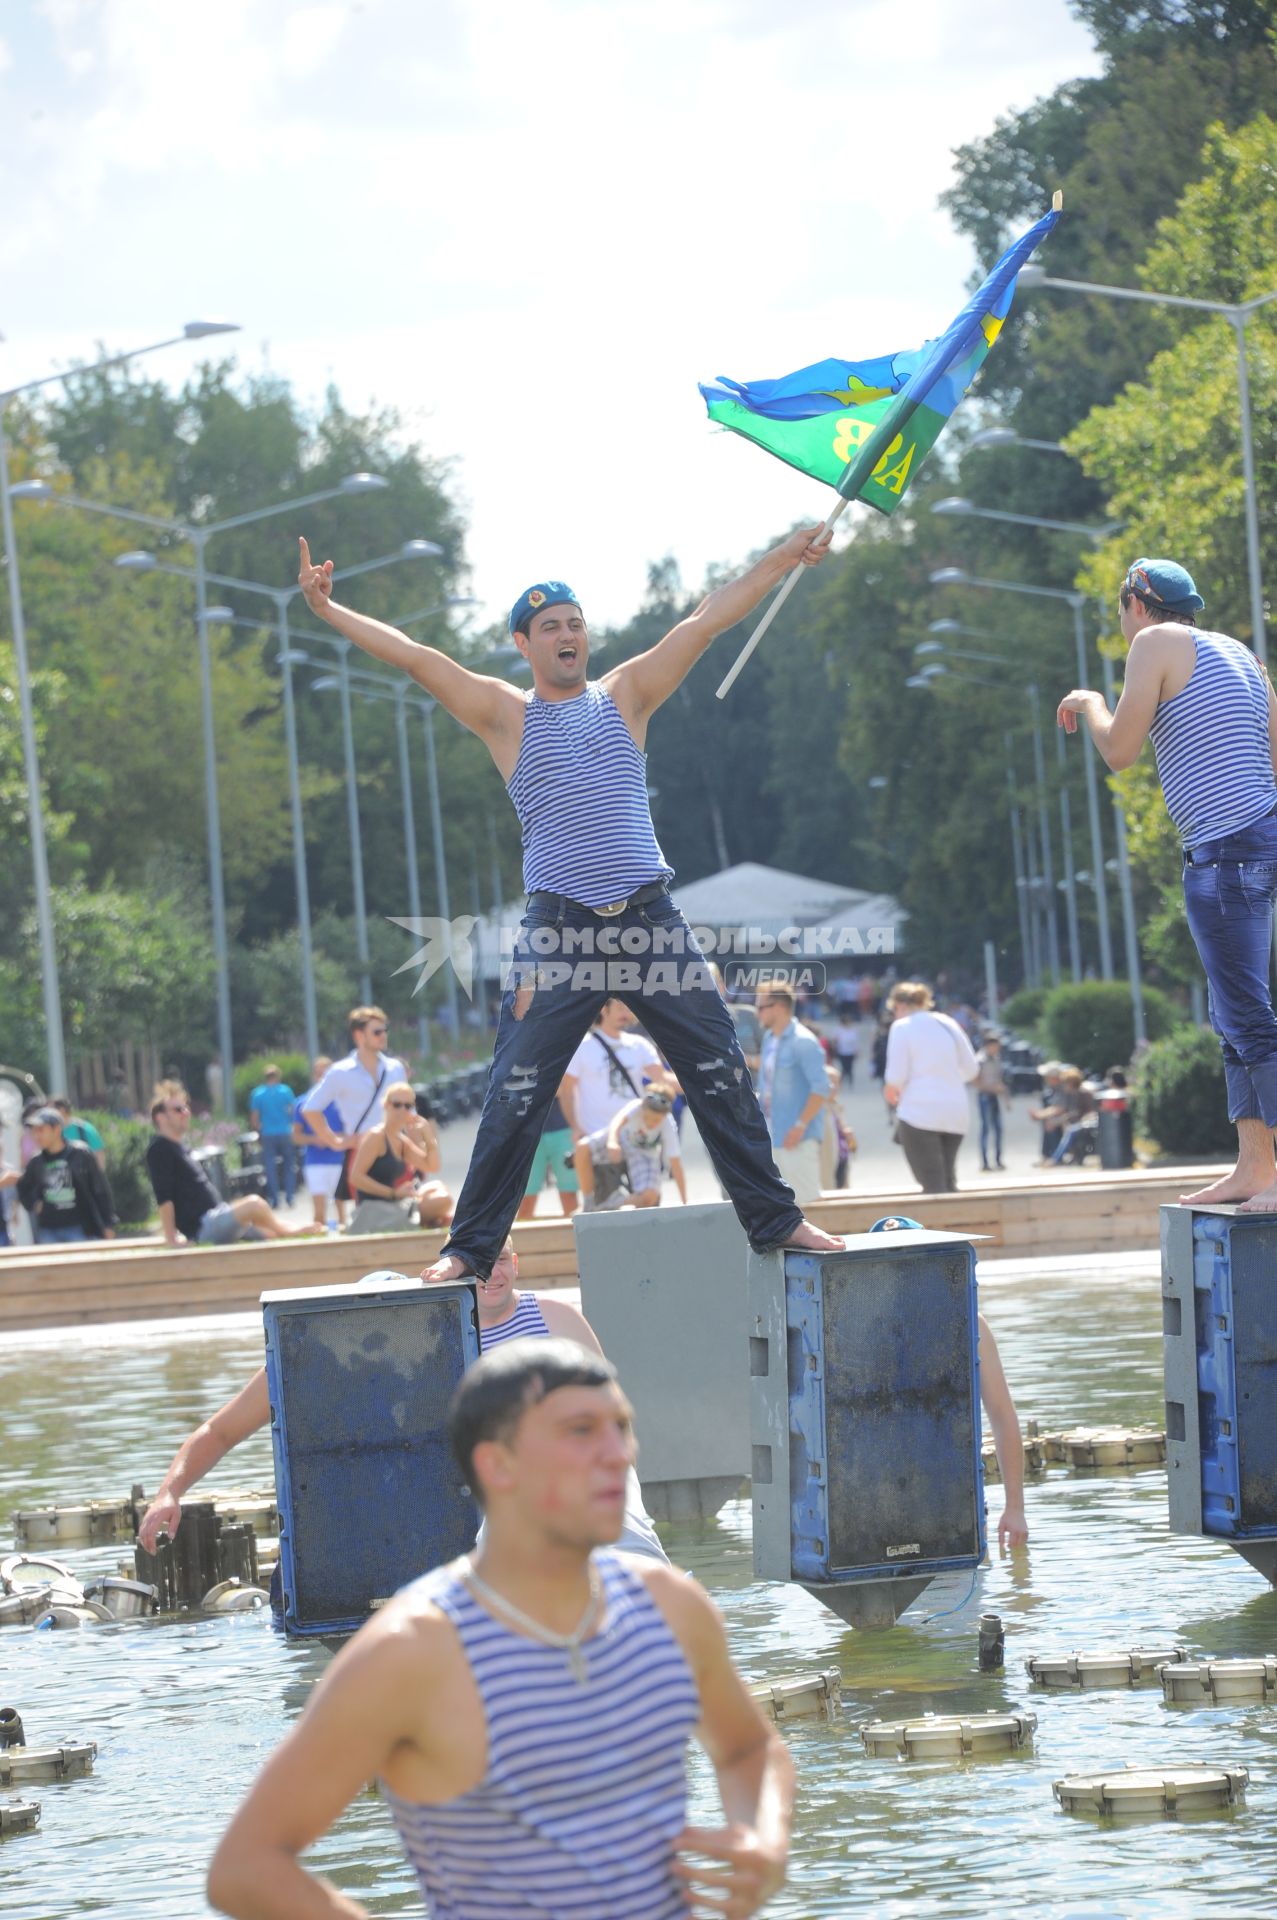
814, 1239
1265, 1201
450, 1267
1234, 1187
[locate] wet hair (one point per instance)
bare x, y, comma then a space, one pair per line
497, 1391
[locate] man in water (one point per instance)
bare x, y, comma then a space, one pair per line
1209, 709
504, 1314
600, 921
527, 1709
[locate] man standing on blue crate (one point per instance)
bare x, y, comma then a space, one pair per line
600, 922
1209, 708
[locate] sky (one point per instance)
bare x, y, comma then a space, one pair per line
530, 226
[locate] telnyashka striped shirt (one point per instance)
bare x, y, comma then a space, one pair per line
1212, 747
585, 1786
579, 788
527, 1322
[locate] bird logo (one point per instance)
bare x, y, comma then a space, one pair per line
445, 940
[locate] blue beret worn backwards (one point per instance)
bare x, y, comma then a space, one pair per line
1164, 583
546, 593
893, 1222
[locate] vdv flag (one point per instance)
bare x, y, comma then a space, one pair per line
865, 426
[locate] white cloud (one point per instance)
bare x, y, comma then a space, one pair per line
530, 224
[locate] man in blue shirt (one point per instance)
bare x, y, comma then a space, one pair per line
321, 1165
271, 1114
794, 1089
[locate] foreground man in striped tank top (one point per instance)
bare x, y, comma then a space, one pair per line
527, 1709
600, 923
1209, 709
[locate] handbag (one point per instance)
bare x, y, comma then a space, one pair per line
349, 1167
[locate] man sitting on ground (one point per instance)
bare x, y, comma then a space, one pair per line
642, 1141
190, 1206
527, 1709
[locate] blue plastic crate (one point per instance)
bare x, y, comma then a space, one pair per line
1235, 1330
369, 1495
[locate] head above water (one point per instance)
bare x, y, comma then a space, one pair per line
548, 627
493, 1397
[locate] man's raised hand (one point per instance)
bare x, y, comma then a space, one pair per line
315, 582
804, 545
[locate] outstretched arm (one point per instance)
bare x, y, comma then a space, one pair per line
1120, 736
200, 1452
1013, 1528
640, 685
487, 706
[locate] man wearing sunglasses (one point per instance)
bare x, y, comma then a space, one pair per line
1209, 709
356, 1086
600, 922
191, 1209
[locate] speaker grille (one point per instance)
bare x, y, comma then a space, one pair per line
900, 1417
370, 1496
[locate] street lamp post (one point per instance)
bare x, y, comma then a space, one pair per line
1021, 882
54, 1039
197, 535
441, 867
1237, 313
282, 597
957, 576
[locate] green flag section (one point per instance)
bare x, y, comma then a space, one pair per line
866, 426
823, 446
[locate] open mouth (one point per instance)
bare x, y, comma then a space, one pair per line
568, 655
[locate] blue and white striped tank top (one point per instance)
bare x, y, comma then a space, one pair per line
1211, 742
579, 788
585, 1785
527, 1322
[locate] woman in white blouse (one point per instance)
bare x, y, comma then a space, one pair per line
930, 1064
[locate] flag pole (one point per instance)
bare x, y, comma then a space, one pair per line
857, 472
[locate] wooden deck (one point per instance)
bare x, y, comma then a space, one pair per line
144, 1280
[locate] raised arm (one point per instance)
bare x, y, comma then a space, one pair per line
486, 705
640, 685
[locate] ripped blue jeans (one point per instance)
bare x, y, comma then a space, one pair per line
568, 962
1229, 886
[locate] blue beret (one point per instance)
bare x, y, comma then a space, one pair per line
1164, 583
546, 593
896, 1220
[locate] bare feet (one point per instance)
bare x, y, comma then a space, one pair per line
1265, 1201
1234, 1187
450, 1267
814, 1239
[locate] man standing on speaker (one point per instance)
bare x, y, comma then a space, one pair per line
527, 1709
600, 922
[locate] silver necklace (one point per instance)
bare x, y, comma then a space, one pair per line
569, 1642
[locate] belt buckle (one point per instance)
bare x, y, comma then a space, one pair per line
610, 911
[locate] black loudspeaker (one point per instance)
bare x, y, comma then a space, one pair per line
369, 1495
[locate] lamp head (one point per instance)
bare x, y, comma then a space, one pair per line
952, 504
944, 626
31, 490
294, 657
137, 561
201, 329
949, 577
919, 680
925, 647
878, 781
419, 549
327, 683
363, 483
997, 436
1032, 276
219, 616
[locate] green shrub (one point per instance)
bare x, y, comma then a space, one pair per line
1022, 1012
294, 1069
1180, 1097
1092, 1024
126, 1143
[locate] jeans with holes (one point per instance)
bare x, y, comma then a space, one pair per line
1229, 886
567, 963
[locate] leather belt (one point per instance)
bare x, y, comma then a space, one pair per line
652, 891
1189, 860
